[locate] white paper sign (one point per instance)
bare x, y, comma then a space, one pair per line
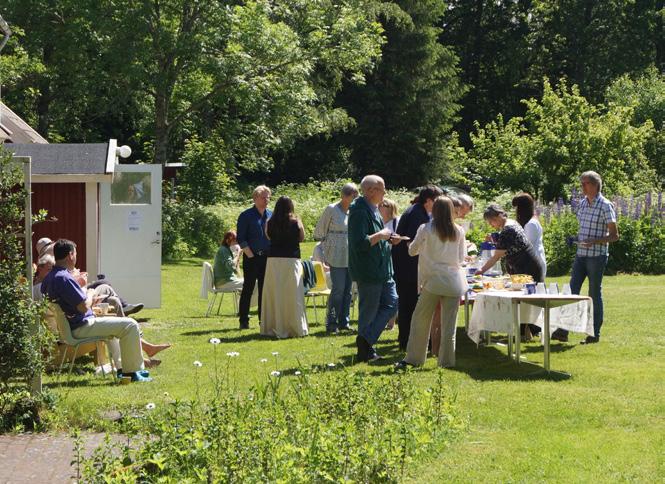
134, 221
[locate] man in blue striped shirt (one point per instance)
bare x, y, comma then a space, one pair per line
598, 227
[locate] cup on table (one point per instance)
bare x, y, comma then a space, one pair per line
530, 287
566, 289
554, 288
540, 288
103, 308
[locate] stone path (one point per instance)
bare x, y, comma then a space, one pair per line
40, 458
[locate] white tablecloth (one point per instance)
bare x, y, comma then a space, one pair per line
493, 311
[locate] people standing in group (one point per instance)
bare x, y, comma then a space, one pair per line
370, 264
332, 231
283, 302
512, 243
225, 265
597, 229
254, 244
439, 245
525, 214
406, 267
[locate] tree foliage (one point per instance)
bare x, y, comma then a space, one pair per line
560, 136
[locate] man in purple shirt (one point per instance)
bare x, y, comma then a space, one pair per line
60, 287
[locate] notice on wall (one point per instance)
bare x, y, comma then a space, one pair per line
134, 220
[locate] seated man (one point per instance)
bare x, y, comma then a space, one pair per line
102, 288
60, 287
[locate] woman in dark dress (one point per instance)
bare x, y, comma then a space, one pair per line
405, 266
283, 300
512, 243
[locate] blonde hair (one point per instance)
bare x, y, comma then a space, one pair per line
442, 219
260, 190
390, 204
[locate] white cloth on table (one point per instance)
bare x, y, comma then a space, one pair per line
493, 311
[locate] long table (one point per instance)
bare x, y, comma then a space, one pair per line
503, 311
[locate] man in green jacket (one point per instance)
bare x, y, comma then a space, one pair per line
371, 266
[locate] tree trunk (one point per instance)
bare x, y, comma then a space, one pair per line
162, 128
44, 98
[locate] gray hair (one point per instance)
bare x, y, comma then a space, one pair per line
465, 200
457, 202
494, 210
46, 259
594, 178
349, 189
370, 181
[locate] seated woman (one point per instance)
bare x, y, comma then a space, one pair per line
225, 266
440, 247
283, 299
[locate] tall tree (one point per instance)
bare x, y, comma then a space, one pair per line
408, 105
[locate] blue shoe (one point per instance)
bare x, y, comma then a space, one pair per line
141, 376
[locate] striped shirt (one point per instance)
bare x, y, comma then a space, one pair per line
593, 218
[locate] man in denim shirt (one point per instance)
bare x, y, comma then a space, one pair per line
254, 244
598, 227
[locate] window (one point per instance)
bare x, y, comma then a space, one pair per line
131, 188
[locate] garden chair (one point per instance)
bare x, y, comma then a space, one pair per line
66, 338
320, 289
208, 286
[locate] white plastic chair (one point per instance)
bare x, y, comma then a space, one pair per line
66, 338
208, 287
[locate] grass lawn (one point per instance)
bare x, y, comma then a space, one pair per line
605, 421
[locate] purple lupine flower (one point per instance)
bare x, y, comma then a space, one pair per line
660, 200
574, 204
638, 210
559, 203
647, 202
624, 207
546, 215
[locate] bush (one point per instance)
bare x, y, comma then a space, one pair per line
21, 412
190, 229
344, 427
20, 345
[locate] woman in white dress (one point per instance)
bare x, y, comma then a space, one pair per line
525, 214
440, 247
283, 300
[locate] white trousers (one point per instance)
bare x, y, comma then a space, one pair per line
126, 349
416, 349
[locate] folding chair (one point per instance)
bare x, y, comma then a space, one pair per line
208, 286
321, 289
66, 338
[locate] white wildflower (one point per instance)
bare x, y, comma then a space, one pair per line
275, 353
263, 360
298, 373
331, 365
198, 364
214, 341
275, 373
232, 354
150, 406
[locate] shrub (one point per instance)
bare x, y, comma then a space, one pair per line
189, 229
20, 411
20, 345
338, 427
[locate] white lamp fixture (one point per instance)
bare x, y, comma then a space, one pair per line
123, 151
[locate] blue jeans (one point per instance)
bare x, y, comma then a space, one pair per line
339, 302
593, 268
377, 303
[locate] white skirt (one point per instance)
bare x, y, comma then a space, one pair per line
283, 299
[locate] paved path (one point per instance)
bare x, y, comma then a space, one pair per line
40, 458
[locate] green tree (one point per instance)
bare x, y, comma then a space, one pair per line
645, 94
560, 136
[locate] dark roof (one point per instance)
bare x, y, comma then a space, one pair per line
67, 159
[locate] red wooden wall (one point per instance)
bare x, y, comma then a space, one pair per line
66, 203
